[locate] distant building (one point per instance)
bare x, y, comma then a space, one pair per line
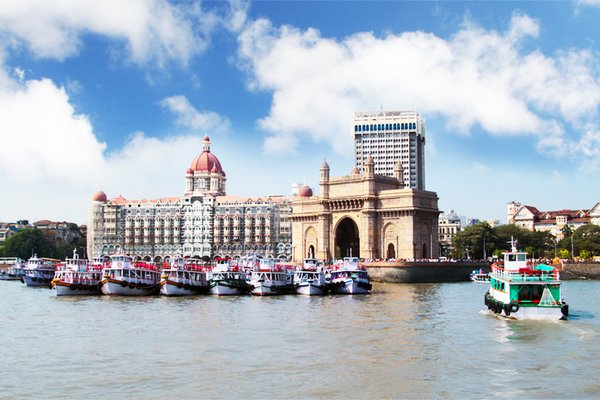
531, 218
204, 222
59, 232
449, 224
389, 136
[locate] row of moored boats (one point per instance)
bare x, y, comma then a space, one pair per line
121, 274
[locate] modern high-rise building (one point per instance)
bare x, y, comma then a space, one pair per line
389, 136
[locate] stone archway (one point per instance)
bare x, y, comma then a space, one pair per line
347, 239
391, 251
311, 251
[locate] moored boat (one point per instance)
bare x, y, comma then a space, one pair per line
226, 279
39, 271
520, 290
11, 269
310, 279
78, 276
268, 279
479, 276
126, 277
184, 277
348, 277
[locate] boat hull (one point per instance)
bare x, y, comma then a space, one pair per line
269, 289
38, 280
122, 288
70, 289
528, 312
351, 286
171, 288
264, 290
310, 289
224, 288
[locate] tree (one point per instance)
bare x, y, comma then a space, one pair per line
564, 253
470, 241
586, 237
27, 242
584, 254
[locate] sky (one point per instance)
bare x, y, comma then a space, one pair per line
117, 96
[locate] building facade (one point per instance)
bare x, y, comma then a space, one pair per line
389, 136
367, 215
531, 218
204, 222
449, 225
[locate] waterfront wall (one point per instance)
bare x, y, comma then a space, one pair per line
572, 271
422, 271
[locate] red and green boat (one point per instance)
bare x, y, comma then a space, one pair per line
521, 290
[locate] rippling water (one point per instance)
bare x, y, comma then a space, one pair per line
402, 341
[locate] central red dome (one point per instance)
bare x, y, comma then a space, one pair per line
206, 161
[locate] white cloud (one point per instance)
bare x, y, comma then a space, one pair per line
51, 161
477, 77
187, 115
151, 30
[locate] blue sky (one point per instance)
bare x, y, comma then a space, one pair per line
118, 95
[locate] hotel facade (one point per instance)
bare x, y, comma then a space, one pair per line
204, 222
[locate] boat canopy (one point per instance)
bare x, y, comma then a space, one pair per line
544, 267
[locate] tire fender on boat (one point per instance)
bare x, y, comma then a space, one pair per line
514, 307
124, 283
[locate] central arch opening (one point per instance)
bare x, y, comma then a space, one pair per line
391, 252
347, 239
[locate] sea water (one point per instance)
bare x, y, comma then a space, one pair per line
401, 341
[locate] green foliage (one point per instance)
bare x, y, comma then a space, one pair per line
469, 243
584, 255
497, 240
586, 237
564, 253
27, 242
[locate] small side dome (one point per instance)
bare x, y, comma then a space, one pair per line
355, 171
305, 191
99, 196
189, 171
324, 165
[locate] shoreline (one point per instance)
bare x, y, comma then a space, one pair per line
580, 271
423, 271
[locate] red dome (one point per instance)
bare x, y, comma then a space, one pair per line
207, 162
305, 191
99, 196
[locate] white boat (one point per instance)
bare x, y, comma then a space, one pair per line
184, 277
39, 271
479, 276
124, 276
225, 279
11, 269
268, 279
78, 276
519, 290
347, 277
311, 280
